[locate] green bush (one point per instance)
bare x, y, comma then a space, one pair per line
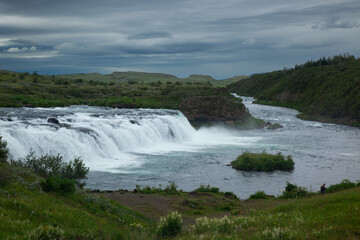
207, 188
170, 225
46, 233
3, 150
48, 165
263, 162
258, 195
171, 189
344, 184
293, 191
59, 185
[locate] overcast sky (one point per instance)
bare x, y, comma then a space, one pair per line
220, 38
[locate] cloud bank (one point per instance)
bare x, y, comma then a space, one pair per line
220, 38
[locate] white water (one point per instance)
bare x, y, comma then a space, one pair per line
106, 139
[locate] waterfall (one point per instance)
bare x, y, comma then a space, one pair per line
105, 137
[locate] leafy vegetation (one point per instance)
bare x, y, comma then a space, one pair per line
59, 184
127, 90
258, 195
26, 211
263, 162
323, 90
294, 191
344, 184
170, 225
49, 166
171, 189
215, 190
3, 150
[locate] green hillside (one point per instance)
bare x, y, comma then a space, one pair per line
143, 77
324, 90
132, 90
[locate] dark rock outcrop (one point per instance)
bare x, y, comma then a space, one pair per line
212, 109
53, 120
205, 110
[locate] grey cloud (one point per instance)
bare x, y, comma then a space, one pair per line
336, 22
224, 36
149, 35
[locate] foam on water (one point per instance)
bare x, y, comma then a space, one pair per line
106, 139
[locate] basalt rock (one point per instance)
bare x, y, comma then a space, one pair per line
206, 110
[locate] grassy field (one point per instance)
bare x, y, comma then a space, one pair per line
26, 213
33, 90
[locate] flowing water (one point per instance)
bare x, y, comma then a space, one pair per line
126, 147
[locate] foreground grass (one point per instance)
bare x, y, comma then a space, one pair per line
24, 209
331, 216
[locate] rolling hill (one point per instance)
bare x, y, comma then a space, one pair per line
325, 90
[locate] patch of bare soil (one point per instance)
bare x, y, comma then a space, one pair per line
191, 205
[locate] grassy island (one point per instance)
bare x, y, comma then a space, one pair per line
263, 162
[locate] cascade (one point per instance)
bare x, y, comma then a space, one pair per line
105, 137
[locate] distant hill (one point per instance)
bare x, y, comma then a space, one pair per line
324, 90
138, 77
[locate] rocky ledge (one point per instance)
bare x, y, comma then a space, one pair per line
208, 110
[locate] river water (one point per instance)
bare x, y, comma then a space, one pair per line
129, 147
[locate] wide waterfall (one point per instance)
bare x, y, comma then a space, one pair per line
126, 147
102, 136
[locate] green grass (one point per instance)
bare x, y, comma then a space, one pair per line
263, 162
23, 208
331, 216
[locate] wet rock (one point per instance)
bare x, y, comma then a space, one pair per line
53, 120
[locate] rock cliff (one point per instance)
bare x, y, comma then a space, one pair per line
205, 110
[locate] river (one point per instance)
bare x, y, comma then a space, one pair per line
129, 147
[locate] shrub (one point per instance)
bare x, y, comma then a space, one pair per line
48, 165
230, 195
207, 188
46, 233
293, 191
171, 189
76, 170
258, 195
3, 150
216, 225
263, 162
169, 226
344, 184
59, 185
